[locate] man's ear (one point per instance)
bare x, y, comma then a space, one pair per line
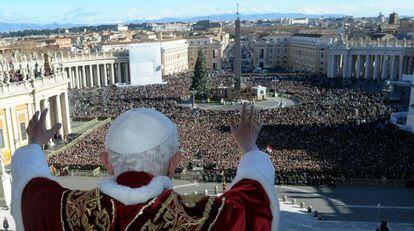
175, 160
105, 161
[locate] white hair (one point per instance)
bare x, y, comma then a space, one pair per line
154, 161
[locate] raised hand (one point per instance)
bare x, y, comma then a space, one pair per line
37, 132
248, 130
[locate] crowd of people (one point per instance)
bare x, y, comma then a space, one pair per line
336, 130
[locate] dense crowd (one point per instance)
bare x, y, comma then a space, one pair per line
336, 130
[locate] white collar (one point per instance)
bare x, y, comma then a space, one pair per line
133, 196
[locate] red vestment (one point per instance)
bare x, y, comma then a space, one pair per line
46, 205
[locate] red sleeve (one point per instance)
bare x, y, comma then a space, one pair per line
246, 207
41, 204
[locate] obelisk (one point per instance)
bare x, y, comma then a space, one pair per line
237, 53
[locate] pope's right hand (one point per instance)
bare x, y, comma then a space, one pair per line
246, 133
37, 132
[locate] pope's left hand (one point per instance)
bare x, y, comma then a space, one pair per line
37, 132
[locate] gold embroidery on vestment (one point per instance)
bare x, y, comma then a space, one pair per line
173, 216
84, 211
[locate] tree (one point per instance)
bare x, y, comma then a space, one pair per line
201, 80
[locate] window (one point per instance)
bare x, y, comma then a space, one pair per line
23, 131
261, 53
215, 66
1, 139
322, 55
214, 54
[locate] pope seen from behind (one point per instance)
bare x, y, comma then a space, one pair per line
141, 154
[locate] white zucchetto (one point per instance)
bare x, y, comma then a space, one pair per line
140, 130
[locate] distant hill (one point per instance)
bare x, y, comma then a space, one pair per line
7, 27
228, 17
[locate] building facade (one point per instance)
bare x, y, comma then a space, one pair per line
270, 51
212, 51
174, 56
296, 52
170, 27
308, 52
19, 99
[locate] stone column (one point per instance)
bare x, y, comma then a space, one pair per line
105, 73
77, 78
84, 76
16, 128
392, 73
48, 122
345, 66
66, 73
334, 66
10, 131
69, 76
330, 66
384, 70
37, 106
400, 68
90, 76
358, 66
406, 64
337, 65
74, 77
126, 72
368, 65
65, 113
404, 61
376, 67
118, 72
30, 108
98, 75
58, 114
112, 73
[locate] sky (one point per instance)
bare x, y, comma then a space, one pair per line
116, 11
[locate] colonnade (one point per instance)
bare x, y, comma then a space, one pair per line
370, 66
97, 74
